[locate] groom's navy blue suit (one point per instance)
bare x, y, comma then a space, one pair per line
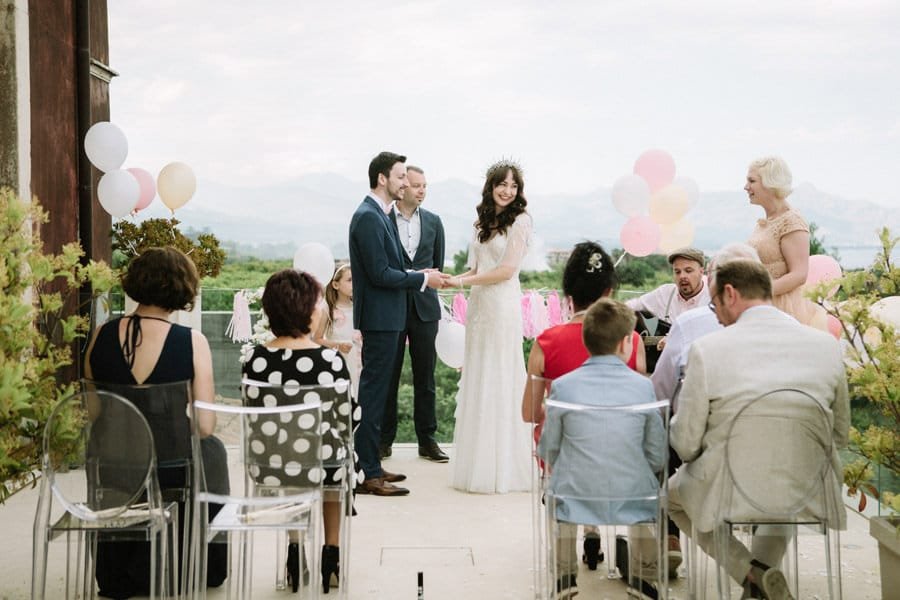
380, 284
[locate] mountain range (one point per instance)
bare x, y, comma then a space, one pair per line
272, 221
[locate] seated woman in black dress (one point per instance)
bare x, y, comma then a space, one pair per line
145, 348
292, 303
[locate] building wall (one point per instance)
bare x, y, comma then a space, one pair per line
54, 119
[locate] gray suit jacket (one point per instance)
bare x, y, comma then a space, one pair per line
764, 351
429, 255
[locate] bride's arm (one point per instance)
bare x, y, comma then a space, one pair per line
516, 248
533, 412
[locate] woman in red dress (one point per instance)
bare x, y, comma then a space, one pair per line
589, 275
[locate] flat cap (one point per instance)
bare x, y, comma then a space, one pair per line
688, 253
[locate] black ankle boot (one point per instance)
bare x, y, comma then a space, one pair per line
592, 554
293, 566
331, 556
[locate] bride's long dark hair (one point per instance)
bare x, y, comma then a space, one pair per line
489, 221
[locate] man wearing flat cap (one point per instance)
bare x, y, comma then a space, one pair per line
688, 291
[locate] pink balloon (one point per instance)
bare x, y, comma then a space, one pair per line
657, 167
834, 326
148, 187
640, 236
822, 268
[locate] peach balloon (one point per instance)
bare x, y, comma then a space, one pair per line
176, 185
668, 204
676, 235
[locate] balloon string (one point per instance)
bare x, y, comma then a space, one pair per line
620, 259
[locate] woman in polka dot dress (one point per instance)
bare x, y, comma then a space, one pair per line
291, 303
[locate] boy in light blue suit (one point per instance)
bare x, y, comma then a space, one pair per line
573, 440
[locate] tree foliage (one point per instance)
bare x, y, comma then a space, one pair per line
130, 239
39, 321
873, 365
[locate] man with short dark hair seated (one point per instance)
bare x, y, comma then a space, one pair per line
761, 349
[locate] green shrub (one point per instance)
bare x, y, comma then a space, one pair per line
39, 323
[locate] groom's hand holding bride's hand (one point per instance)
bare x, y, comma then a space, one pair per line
435, 278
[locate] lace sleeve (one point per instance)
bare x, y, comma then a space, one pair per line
518, 240
789, 223
471, 261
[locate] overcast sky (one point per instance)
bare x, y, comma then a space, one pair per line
256, 93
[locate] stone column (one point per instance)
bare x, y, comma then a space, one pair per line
15, 112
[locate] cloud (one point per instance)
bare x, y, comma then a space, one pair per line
576, 90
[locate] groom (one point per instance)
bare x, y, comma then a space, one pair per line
380, 285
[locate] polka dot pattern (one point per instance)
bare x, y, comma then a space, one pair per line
285, 443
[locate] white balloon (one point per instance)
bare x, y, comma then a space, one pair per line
317, 260
118, 192
631, 195
887, 310
450, 343
106, 146
690, 186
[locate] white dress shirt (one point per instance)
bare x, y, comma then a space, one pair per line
410, 231
688, 327
666, 303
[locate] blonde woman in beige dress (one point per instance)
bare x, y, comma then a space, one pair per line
782, 240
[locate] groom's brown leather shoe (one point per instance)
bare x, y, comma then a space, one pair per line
392, 477
379, 487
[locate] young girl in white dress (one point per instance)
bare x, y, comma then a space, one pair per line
336, 331
492, 444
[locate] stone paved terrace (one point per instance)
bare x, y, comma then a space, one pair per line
468, 546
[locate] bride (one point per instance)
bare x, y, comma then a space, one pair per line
492, 444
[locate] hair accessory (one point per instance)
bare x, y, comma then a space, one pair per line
595, 263
502, 165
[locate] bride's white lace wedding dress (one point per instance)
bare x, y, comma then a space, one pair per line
492, 443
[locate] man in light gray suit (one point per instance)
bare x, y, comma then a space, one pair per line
761, 349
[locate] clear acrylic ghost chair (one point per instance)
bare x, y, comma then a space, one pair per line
611, 496
166, 406
274, 490
539, 389
99, 465
337, 419
789, 487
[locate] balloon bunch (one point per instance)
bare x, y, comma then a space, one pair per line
123, 192
656, 203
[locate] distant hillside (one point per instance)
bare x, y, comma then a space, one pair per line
271, 221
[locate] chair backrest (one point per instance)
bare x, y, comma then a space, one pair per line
540, 389
777, 455
615, 460
165, 406
336, 420
110, 438
280, 446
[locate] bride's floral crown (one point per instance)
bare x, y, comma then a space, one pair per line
502, 165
